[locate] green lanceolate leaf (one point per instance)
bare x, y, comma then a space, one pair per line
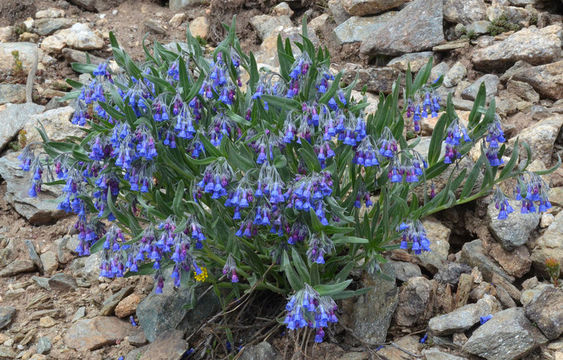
332, 289
178, 196
436, 140
294, 281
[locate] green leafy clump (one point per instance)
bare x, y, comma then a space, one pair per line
283, 183
502, 24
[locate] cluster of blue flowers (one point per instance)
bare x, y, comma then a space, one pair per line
422, 107
308, 309
412, 232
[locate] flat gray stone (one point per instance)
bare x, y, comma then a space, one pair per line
455, 74
43, 345
463, 318
6, 315
110, 304
33, 255
62, 282
417, 27
491, 87
169, 345
415, 60
508, 335
405, 270
359, 29
415, 302
260, 351
180, 4
376, 79
266, 25
547, 79
18, 267
549, 245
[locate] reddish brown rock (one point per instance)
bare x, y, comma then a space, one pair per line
516, 263
92, 334
127, 306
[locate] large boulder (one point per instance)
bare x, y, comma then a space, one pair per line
541, 137
508, 335
417, 27
56, 124
536, 46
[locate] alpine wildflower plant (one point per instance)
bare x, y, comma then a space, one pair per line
284, 178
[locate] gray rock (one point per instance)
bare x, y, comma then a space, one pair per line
169, 345
463, 318
62, 282
472, 254
337, 11
515, 230
154, 26
547, 79
87, 268
33, 255
450, 273
266, 25
546, 311
440, 69
371, 313
370, 7
7, 353
455, 75
26, 52
49, 261
78, 56
89, 5
461, 104
405, 270
512, 14
79, 314
523, 90
43, 345
38, 210
109, 305
6, 315
464, 11
138, 339
376, 79
478, 27
261, 351
416, 61
421, 31
531, 294
49, 13
549, 245
415, 302
508, 335
180, 4
42, 282
435, 354
48, 26
541, 138
439, 236
79, 36
158, 313
12, 93
17, 267
536, 46
491, 85
15, 116
358, 29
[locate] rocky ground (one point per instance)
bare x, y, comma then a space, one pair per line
54, 306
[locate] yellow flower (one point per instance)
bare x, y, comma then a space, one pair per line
201, 277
